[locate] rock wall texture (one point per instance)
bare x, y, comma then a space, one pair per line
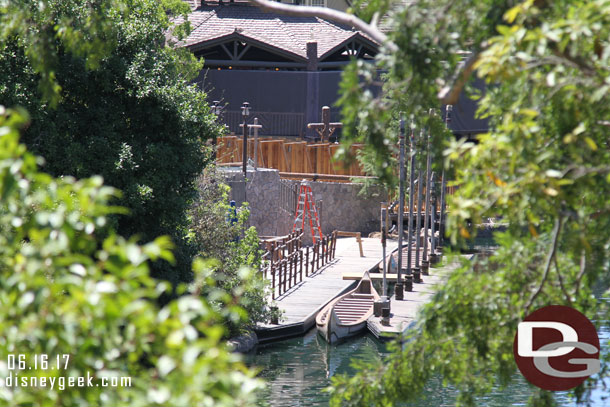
341, 206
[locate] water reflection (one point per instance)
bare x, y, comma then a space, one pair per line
298, 370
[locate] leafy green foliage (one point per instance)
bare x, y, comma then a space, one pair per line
235, 247
134, 119
68, 289
543, 167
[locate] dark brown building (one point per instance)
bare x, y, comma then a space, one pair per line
286, 67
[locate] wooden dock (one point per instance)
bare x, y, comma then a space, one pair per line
404, 312
301, 303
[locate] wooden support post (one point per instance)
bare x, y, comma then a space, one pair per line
335, 246
294, 265
289, 266
279, 278
255, 126
301, 264
322, 246
357, 235
272, 280
326, 128
284, 274
307, 261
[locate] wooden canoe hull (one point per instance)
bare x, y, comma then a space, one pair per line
347, 315
341, 332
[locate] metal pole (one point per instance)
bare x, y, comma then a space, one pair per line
383, 243
398, 289
418, 221
433, 216
411, 189
425, 260
441, 225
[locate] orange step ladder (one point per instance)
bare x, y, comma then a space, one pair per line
306, 205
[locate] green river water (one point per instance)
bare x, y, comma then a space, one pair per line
298, 370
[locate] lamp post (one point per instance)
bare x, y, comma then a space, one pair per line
245, 112
216, 108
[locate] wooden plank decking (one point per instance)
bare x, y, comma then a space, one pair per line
302, 303
404, 312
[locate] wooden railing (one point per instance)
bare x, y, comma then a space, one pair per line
286, 260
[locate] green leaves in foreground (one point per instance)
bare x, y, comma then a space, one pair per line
543, 169
63, 291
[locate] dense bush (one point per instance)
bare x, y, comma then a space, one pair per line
134, 119
66, 290
220, 232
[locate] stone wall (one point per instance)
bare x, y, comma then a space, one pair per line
341, 208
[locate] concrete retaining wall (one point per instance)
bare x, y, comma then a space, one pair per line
342, 207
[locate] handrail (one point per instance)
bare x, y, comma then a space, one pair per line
285, 258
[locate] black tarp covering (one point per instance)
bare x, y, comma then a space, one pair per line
463, 121
279, 100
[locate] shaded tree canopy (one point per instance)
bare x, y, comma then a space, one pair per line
134, 118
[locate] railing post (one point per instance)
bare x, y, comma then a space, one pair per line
294, 265
334, 244
318, 245
279, 277
322, 245
314, 254
283, 271
272, 268
289, 265
301, 264
307, 261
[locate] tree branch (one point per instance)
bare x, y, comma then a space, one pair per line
449, 94
556, 231
583, 268
565, 292
327, 14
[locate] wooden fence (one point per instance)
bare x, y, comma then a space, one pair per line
286, 260
288, 155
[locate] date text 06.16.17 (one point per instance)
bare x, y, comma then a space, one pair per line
37, 362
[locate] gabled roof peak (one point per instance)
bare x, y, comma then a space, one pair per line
214, 19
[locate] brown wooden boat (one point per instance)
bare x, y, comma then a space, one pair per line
347, 315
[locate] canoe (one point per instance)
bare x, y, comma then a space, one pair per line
347, 315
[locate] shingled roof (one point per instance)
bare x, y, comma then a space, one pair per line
289, 35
